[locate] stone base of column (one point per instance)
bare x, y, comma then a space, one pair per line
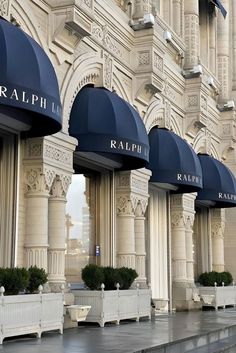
56, 286
36, 256
56, 268
185, 297
140, 268
218, 268
126, 260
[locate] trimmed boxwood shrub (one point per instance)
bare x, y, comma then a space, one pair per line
209, 278
37, 277
111, 277
93, 276
14, 280
127, 277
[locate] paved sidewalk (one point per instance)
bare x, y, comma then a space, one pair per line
128, 337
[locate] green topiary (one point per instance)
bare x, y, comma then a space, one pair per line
210, 278
37, 277
14, 280
93, 276
111, 277
127, 276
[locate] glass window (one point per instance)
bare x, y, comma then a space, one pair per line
81, 225
8, 197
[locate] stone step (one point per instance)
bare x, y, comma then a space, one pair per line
227, 345
218, 341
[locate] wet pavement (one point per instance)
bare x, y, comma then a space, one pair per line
128, 337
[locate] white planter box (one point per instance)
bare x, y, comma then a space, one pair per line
115, 305
31, 313
218, 296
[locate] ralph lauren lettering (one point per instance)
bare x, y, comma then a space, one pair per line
188, 177
225, 196
125, 146
29, 98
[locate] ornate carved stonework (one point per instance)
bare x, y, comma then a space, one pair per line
41, 149
126, 205
169, 92
158, 62
36, 256
66, 181
140, 185
124, 260
123, 180
123, 4
57, 189
223, 69
178, 219
58, 154
141, 208
4, 7
217, 223
38, 181
143, 58
103, 36
189, 220
108, 71
191, 40
33, 149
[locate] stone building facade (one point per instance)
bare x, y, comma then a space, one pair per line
174, 61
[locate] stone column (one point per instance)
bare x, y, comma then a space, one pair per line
131, 202
191, 15
217, 237
177, 6
38, 183
179, 257
223, 32
182, 218
125, 231
234, 43
139, 226
57, 230
189, 248
141, 7
212, 43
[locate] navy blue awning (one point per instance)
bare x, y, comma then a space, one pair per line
28, 84
218, 4
106, 124
172, 160
219, 183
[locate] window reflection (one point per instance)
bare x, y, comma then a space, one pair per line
80, 226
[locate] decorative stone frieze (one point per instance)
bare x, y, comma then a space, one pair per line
4, 8
103, 35
54, 155
107, 71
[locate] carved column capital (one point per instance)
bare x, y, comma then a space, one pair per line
178, 219
141, 207
60, 186
38, 179
126, 205
217, 223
